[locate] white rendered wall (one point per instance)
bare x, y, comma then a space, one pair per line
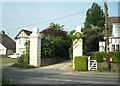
2, 50
116, 29
35, 49
101, 46
114, 40
18, 47
77, 46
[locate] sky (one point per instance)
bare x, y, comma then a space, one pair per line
18, 15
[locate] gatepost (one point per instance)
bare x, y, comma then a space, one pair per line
35, 48
77, 46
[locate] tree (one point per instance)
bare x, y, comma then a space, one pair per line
55, 42
93, 28
94, 16
56, 26
27, 45
91, 39
54, 32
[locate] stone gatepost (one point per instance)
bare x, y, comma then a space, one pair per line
35, 48
77, 45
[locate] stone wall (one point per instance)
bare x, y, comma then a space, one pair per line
103, 66
50, 61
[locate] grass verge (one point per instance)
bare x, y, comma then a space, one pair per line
23, 65
6, 60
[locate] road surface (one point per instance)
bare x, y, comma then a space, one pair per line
53, 76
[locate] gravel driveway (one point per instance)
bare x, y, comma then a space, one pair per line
66, 65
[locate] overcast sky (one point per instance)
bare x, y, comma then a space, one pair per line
18, 15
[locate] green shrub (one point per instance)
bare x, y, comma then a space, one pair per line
55, 42
54, 46
3, 56
5, 82
23, 65
115, 56
22, 62
81, 63
100, 55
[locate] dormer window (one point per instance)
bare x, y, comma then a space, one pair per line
116, 29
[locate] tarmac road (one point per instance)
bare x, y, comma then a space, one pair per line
55, 76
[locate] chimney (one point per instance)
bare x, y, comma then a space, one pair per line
2, 32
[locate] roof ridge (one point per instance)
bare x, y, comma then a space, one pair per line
26, 31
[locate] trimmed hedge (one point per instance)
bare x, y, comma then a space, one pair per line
100, 55
80, 63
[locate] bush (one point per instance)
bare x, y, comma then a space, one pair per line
115, 56
54, 46
22, 62
3, 56
55, 42
5, 82
23, 65
100, 55
53, 32
22, 59
81, 63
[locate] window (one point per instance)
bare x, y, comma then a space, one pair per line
1, 51
22, 41
115, 40
21, 50
113, 47
117, 47
116, 29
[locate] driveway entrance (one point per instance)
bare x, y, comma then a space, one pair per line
66, 65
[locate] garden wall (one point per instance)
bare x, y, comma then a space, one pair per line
50, 61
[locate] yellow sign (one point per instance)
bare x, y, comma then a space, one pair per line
107, 46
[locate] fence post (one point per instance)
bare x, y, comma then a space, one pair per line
88, 62
96, 65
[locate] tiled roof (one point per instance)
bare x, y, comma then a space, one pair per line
26, 31
6, 41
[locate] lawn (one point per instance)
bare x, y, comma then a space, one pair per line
6, 60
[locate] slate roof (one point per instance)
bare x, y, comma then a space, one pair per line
6, 41
26, 31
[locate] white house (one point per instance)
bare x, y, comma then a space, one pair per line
21, 38
7, 45
114, 37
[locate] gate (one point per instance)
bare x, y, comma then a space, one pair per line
92, 64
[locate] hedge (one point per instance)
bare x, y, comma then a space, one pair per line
100, 55
80, 63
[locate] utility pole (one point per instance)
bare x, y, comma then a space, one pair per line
106, 27
107, 35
